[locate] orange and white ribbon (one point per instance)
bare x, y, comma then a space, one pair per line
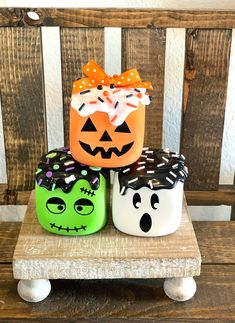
97, 76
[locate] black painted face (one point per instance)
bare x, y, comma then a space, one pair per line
89, 126
105, 137
145, 223
154, 201
136, 200
123, 128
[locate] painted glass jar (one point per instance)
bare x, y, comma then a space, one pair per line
148, 194
70, 197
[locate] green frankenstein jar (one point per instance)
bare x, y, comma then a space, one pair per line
70, 197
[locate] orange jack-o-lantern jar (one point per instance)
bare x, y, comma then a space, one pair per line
107, 117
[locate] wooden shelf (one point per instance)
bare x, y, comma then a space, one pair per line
107, 254
134, 300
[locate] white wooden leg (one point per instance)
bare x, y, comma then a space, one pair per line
34, 290
180, 289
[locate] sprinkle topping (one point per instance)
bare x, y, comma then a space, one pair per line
152, 172
169, 180
60, 170
142, 163
121, 102
173, 174
133, 180
151, 184
141, 167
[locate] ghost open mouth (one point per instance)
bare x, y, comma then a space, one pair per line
145, 222
59, 227
106, 154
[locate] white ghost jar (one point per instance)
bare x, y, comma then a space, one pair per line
148, 194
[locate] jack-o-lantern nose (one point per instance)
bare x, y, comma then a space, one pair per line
105, 137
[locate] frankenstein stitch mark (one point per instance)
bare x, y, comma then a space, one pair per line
53, 225
70, 197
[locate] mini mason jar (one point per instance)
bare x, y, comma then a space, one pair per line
148, 194
107, 117
70, 197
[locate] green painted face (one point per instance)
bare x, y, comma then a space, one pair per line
82, 211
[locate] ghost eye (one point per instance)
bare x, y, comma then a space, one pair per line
136, 200
83, 206
154, 201
123, 128
56, 205
89, 126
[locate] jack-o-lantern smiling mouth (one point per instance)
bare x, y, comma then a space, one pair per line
106, 154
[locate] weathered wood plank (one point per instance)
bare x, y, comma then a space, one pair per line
22, 104
216, 241
9, 232
78, 47
145, 50
13, 197
207, 62
233, 213
136, 18
224, 196
233, 206
135, 300
209, 236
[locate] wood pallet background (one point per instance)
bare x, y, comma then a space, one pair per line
25, 122
207, 57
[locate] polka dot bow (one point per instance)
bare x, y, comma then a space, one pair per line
97, 76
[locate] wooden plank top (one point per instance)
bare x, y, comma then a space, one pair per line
131, 300
107, 254
137, 18
221, 251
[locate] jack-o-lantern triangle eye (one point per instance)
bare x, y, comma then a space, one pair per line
89, 126
123, 128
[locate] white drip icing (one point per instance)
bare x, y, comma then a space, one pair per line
115, 104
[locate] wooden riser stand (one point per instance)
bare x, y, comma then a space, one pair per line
40, 256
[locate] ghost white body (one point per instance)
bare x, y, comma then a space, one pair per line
162, 218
